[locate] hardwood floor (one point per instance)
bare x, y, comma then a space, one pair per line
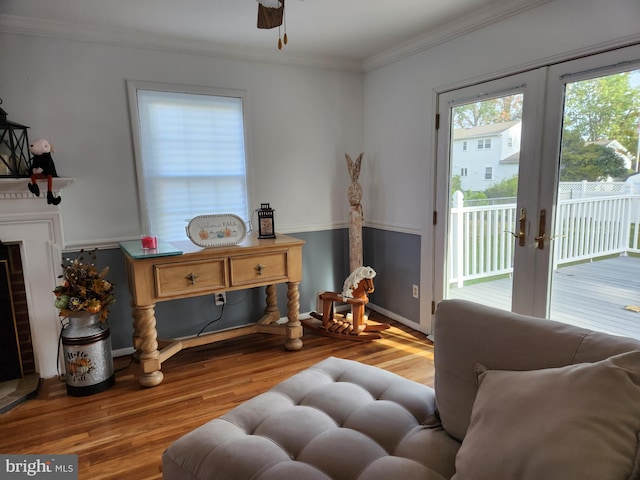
122, 432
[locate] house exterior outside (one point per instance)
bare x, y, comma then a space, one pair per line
619, 150
485, 155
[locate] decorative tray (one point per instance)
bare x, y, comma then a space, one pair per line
216, 230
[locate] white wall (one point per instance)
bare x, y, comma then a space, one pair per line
301, 122
400, 102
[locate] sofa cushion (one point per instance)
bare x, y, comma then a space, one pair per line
467, 333
576, 422
339, 419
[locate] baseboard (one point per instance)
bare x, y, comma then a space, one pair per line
123, 352
396, 317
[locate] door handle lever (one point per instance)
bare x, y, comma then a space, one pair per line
542, 234
522, 226
542, 231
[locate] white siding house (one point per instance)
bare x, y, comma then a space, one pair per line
485, 155
620, 150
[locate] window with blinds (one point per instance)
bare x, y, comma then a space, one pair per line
190, 150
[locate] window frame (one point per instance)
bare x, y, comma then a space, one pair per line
484, 144
132, 88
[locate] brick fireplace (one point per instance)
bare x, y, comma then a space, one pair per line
36, 227
16, 351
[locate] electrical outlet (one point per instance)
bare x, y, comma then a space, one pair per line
221, 298
416, 291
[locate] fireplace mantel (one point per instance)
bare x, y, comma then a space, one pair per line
16, 188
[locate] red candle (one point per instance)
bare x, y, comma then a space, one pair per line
149, 242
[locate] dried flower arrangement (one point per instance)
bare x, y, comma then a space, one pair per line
84, 289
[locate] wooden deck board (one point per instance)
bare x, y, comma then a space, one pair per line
591, 295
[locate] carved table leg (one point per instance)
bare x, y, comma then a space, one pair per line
136, 336
294, 327
271, 311
145, 341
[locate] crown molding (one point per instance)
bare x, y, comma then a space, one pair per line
494, 13
126, 38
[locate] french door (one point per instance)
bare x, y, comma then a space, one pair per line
539, 218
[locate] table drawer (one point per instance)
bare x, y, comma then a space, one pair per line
262, 268
190, 277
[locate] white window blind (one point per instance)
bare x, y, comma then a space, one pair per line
192, 150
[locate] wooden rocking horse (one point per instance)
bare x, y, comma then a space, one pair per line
354, 292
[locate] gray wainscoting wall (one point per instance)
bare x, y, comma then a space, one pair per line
395, 256
325, 262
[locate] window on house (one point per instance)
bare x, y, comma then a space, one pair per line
463, 172
484, 143
510, 142
190, 155
464, 146
488, 173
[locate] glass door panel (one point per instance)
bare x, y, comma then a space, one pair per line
596, 249
484, 161
487, 168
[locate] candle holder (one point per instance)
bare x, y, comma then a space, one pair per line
265, 222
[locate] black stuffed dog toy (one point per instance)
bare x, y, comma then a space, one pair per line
42, 166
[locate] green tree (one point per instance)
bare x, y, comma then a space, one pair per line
486, 112
591, 162
456, 184
504, 189
604, 108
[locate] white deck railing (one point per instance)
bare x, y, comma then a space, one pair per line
481, 244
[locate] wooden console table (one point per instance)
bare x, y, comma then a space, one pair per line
188, 271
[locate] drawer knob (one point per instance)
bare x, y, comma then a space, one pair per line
192, 277
259, 268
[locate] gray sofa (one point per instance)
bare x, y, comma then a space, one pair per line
515, 397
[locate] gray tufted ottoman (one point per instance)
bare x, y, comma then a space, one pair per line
339, 419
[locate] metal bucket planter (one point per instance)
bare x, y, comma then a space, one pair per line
86, 346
